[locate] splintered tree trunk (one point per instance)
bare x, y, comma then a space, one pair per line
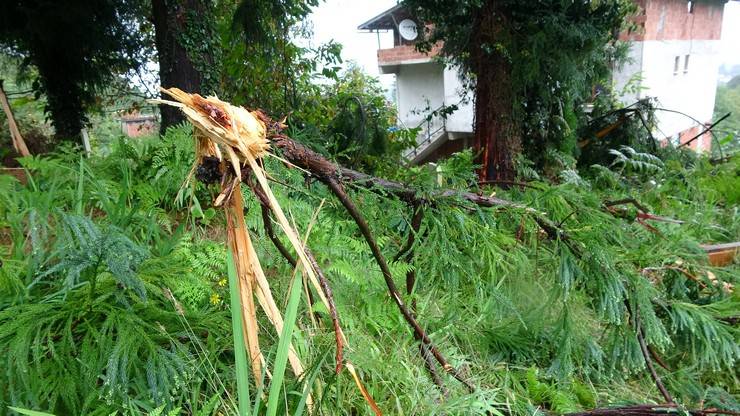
497, 138
238, 241
175, 66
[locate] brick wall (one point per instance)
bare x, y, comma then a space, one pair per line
702, 144
404, 53
671, 20
137, 128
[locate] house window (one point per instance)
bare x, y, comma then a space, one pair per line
676, 63
686, 64
690, 6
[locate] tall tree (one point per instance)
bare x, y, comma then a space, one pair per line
529, 62
265, 64
78, 48
188, 47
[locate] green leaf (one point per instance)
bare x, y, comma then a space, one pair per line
286, 336
240, 349
29, 412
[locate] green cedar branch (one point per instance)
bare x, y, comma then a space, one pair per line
407, 253
323, 169
338, 191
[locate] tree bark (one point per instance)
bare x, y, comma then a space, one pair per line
497, 139
66, 101
176, 69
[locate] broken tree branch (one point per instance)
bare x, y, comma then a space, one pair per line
708, 128
270, 231
323, 281
407, 253
649, 362
351, 208
646, 353
332, 308
507, 183
320, 167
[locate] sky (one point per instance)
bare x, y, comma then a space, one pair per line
731, 34
338, 20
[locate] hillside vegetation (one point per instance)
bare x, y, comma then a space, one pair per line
114, 293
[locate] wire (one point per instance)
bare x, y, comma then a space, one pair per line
701, 123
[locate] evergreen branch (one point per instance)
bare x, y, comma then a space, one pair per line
320, 167
646, 353
408, 254
351, 208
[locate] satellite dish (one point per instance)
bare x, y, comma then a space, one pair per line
407, 29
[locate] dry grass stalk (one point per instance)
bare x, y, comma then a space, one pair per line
267, 302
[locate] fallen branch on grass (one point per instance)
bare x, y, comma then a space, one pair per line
323, 169
651, 410
407, 254
338, 191
323, 281
646, 353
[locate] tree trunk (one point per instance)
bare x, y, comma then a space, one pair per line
176, 68
497, 138
66, 101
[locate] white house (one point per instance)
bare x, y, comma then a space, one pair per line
423, 85
673, 58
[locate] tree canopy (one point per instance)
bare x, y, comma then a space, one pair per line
530, 63
78, 47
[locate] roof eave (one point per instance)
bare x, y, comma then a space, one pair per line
372, 24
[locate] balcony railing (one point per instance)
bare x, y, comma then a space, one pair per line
432, 128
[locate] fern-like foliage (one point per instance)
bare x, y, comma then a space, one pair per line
85, 250
73, 357
629, 161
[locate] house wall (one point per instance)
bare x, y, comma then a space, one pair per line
626, 77
666, 31
691, 92
419, 89
138, 128
461, 121
702, 144
671, 20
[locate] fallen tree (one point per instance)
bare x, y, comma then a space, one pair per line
217, 120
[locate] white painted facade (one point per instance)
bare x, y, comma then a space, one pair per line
664, 74
461, 121
673, 56
423, 87
419, 90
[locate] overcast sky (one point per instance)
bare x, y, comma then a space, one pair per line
731, 34
338, 20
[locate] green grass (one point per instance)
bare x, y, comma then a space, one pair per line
533, 325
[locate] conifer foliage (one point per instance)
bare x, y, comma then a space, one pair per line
592, 317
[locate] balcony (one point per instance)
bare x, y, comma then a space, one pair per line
390, 59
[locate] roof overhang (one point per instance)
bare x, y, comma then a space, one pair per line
388, 20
